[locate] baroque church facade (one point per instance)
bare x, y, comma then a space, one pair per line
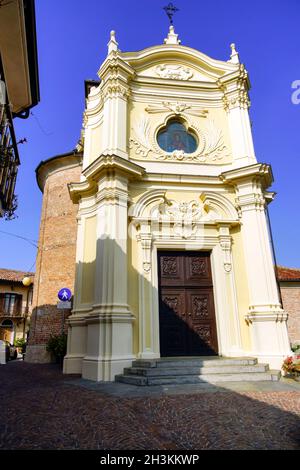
173, 252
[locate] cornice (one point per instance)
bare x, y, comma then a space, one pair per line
112, 162
104, 163
115, 67
262, 171
182, 179
82, 189
236, 75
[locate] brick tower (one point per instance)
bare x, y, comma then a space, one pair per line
55, 264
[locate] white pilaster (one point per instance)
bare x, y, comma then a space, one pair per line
148, 328
265, 317
236, 103
115, 76
115, 122
235, 340
76, 348
109, 326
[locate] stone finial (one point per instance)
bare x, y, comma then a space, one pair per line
172, 37
234, 57
112, 44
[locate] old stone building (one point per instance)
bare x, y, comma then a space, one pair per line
15, 304
163, 234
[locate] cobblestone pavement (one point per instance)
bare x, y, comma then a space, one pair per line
42, 409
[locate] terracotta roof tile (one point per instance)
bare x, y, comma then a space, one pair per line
288, 274
13, 276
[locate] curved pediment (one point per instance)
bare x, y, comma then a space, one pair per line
177, 62
206, 207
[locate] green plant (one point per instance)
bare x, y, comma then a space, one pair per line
20, 343
295, 348
57, 346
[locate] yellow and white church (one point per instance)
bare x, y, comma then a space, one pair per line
173, 254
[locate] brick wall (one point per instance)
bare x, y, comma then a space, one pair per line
290, 292
55, 264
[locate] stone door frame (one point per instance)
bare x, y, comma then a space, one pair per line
228, 325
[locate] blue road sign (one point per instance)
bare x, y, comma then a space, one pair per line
64, 294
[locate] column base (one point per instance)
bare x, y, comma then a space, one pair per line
73, 364
275, 361
270, 342
148, 355
104, 370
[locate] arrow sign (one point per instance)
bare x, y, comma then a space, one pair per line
64, 294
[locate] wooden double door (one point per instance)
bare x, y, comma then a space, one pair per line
186, 304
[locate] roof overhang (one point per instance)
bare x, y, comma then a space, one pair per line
57, 163
19, 54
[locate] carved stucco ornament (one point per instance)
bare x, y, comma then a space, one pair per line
211, 145
183, 216
177, 108
173, 72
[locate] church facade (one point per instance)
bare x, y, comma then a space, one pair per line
173, 254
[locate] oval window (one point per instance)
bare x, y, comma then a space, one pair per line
175, 137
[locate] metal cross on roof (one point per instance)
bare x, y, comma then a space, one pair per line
170, 9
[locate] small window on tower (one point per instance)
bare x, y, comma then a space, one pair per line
175, 137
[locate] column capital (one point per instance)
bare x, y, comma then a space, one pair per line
235, 88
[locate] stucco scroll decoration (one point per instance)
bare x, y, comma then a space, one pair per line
181, 210
211, 146
182, 215
146, 242
226, 248
177, 108
174, 72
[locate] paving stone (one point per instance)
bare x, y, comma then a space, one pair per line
43, 409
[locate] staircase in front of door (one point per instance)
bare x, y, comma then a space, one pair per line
196, 370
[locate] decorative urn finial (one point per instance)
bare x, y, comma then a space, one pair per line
234, 57
112, 44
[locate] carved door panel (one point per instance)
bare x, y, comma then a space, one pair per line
186, 304
201, 320
197, 270
171, 268
173, 322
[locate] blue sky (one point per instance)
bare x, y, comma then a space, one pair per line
72, 42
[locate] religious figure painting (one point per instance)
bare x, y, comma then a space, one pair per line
175, 137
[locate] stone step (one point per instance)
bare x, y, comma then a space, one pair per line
174, 371
271, 375
193, 362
